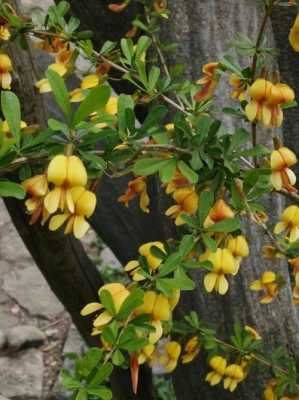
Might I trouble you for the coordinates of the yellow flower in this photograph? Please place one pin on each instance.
(253, 333)
(294, 35)
(119, 293)
(84, 205)
(64, 172)
(239, 87)
(5, 69)
(267, 283)
(159, 308)
(218, 364)
(169, 359)
(37, 188)
(136, 187)
(234, 375)
(4, 33)
(153, 262)
(44, 85)
(282, 176)
(209, 82)
(269, 393)
(111, 106)
(146, 354)
(289, 223)
(223, 263)
(6, 129)
(220, 211)
(88, 82)
(191, 349)
(187, 202)
(238, 246)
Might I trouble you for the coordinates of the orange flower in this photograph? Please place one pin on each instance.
(118, 7)
(269, 284)
(220, 211)
(136, 187)
(187, 202)
(208, 82)
(178, 181)
(37, 188)
(266, 101)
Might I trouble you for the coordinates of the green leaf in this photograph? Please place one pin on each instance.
(167, 172)
(148, 166)
(102, 392)
(143, 44)
(170, 264)
(107, 301)
(127, 47)
(227, 225)
(107, 47)
(68, 381)
(153, 118)
(118, 358)
(82, 395)
(153, 77)
(97, 162)
(186, 245)
(124, 102)
(11, 110)
(11, 189)
(95, 100)
(206, 201)
(209, 243)
(60, 93)
(103, 372)
(134, 344)
(183, 281)
(134, 300)
(87, 363)
(187, 172)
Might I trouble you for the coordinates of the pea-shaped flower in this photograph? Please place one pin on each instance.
(224, 263)
(65, 172)
(5, 70)
(282, 176)
(84, 206)
(289, 223)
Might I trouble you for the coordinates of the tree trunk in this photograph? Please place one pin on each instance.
(203, 31)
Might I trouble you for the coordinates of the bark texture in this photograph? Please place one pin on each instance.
(203, 31)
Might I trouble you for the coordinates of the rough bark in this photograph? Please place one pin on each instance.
(203, 31)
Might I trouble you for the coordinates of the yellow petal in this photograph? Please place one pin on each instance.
(256, 285)
(57, 221)
(251, 110)
(57, 170)
(91, 308)
(52, 200)
(210, 281)
(161, 309)
(90, 81)
(80, 227)
(76, 172)
(86, 204)
(154, 337)
(222, 285)
(103, 319)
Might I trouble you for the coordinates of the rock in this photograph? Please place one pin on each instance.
(2, 341)
(8, 320)
(25, 336)
(21, 376)
(52, 333)
(3, 398)
(29, 288)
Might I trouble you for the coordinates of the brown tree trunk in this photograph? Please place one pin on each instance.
(203, 31)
